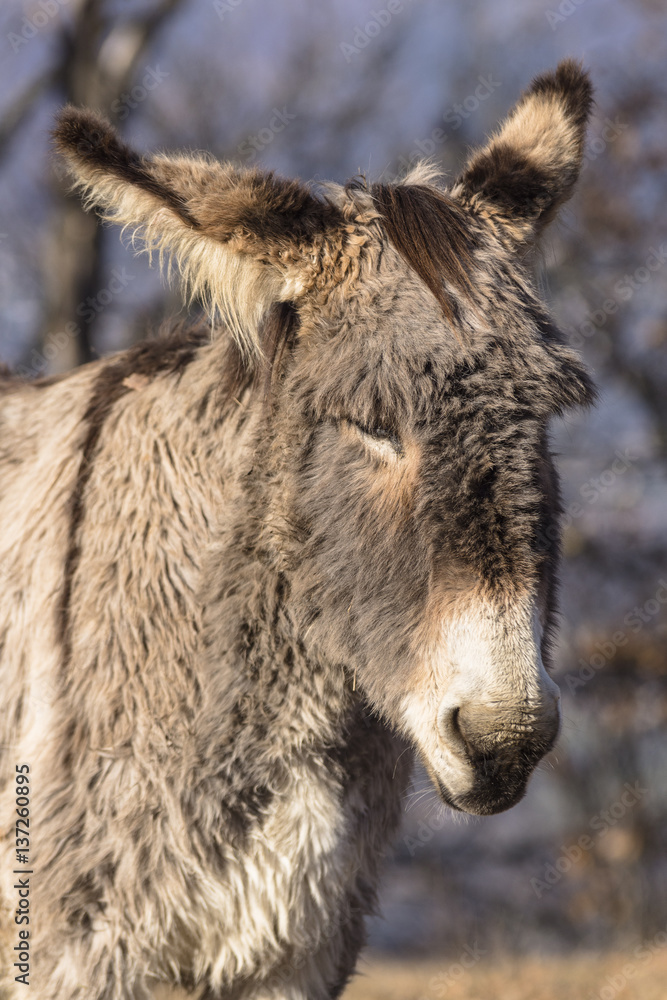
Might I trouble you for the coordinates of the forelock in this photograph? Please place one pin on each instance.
(433, 235)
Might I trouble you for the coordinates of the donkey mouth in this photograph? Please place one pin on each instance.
(489, 776)
(489, 794)
(445, 795)
(487, 801)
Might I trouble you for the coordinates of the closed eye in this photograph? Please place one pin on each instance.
(379, 440)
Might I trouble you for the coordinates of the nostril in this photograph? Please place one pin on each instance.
(482, 732)
(449, 724)
(454, 723)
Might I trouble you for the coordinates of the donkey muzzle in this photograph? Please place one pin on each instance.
(496, 746)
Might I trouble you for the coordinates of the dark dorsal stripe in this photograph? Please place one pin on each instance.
(163, 356)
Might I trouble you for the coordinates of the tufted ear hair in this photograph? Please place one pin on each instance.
(242, 240)
(530, 165)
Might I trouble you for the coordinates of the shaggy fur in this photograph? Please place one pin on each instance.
(246, 568)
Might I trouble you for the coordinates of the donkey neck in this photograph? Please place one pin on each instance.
(263, 687)
(264, 697)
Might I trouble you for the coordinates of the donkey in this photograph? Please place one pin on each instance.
(250, 566)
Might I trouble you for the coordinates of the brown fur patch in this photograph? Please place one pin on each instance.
(388, 482)
(269, 213)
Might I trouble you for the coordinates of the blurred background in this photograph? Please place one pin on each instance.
(325, 91)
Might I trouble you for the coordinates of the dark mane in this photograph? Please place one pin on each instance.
(432, 235)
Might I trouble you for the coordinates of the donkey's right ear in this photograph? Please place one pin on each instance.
(242, 240)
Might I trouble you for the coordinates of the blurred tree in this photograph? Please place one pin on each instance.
(98, 62)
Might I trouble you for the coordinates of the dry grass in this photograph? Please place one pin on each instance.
(612, 977)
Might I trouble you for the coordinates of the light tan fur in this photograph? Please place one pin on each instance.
(246, 567)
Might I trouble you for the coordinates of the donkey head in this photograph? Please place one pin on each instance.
(400, 464)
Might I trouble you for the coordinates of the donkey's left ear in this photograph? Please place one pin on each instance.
(241, 239)
(529, 167)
